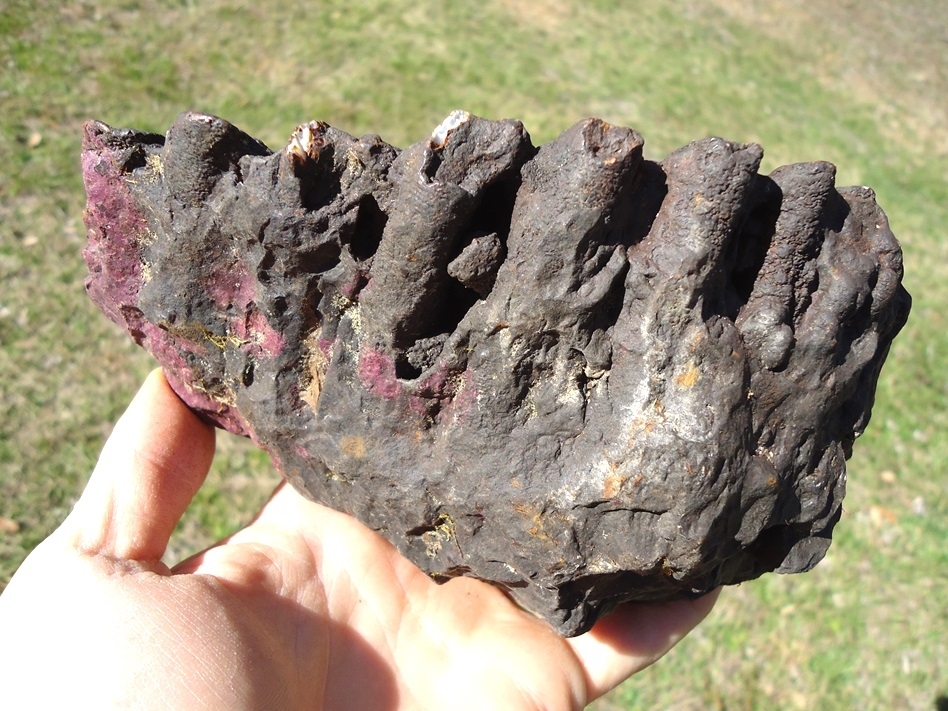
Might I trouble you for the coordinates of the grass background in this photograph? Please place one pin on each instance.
(862, 84)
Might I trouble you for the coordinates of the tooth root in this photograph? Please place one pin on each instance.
(801, 224)
(603, 163)
(682, 259)
(199, 148)
(782, 288)
(435, 200)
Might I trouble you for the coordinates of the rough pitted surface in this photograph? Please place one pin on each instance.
(581, 375)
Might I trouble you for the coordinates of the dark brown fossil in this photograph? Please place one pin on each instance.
(581, 375)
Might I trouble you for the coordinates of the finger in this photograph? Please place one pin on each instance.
(634, 636)
(278, 520)
(340, 546)
(151, 466)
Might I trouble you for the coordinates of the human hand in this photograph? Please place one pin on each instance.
(305, 608)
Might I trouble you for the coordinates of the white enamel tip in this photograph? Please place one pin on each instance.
(440, 135)
(303, 143)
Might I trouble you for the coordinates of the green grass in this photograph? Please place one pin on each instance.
(859, 84)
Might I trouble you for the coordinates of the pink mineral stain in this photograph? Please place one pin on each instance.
(325, 346)
(115, 226)
(168, 352)
(231, 284)
(255, 335)
(465, 397)
(263, 338)
(377, 373)
(352, 287)
(221, 415)
(458, 393)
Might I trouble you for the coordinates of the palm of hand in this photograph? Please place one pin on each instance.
(303, 609)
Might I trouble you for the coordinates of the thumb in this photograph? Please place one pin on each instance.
(633, 636)
(153, 463)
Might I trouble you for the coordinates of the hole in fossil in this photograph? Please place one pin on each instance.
(492, 215)
(637, 213)
(458, 301)
(750, 249)
(369, 226)
(319, 184)
(266, 264)
(495, 208)
(432, 163)
(318, 259)
(420, 356)
(747, 251)
(454, 571)
(133, 159)
(405, 370)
